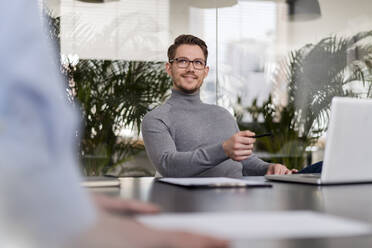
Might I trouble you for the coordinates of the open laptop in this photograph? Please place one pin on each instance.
(348, 151)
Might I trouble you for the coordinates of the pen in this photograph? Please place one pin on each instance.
(262, 135)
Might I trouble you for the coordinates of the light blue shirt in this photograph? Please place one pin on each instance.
(41, 202)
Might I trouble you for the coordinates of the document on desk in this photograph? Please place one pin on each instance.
(260, 225)
(213, 182)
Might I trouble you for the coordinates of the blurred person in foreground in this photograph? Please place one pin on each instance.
(41, 202)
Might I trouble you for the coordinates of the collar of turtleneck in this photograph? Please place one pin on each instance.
(180, 97)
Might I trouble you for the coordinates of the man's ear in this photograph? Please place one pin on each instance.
(168, 68)
(206, 71)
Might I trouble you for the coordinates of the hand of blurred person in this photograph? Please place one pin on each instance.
(121, 206)
(122, 232)
(279, 169)
(239, 146)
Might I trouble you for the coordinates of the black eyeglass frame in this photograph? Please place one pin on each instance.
(188, 63)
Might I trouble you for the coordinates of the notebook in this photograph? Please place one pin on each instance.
(348, 152)
(212, 182)
(100, 181)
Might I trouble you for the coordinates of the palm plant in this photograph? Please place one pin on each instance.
(314, 75)
(114, 95)
(317, 73)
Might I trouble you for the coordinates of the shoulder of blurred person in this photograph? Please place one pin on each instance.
(41, 199)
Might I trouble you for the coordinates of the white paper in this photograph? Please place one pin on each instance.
(260, 225)
(212, 181)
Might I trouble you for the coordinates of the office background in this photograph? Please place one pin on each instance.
(273, 64)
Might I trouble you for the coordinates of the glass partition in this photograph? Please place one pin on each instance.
(275, 65)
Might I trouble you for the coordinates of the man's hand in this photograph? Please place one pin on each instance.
(279, 169)
(180, 239)
(240, 145)
(117, 205)
(111, 231)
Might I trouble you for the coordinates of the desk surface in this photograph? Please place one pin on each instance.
(351, 201)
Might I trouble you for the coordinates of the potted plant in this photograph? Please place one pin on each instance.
(314, 74)
(113, 95)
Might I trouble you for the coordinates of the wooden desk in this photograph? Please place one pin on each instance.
(351, 201)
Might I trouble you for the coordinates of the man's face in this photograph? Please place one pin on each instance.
(189, 79)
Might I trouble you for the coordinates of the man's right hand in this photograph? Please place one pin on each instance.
(121, 206)
(240, 145)
(122, 232)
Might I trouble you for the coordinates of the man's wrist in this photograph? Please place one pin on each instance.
(224, 148)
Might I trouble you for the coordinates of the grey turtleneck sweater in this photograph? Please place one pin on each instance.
(184, 136)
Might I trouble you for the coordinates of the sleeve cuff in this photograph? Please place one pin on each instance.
(216, 153)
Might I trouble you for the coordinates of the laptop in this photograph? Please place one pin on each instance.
(348, 151)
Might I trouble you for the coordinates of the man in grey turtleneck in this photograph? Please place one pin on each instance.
(185, 137)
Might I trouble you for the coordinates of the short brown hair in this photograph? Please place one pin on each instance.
(187, 39)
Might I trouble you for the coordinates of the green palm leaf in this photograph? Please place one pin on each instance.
(314, 75)
(114, 95)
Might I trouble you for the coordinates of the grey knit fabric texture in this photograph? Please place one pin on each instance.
(184, 136)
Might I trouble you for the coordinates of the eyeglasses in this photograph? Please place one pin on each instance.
(184, 63)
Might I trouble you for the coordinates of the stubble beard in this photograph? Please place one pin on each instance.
(188, 91)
